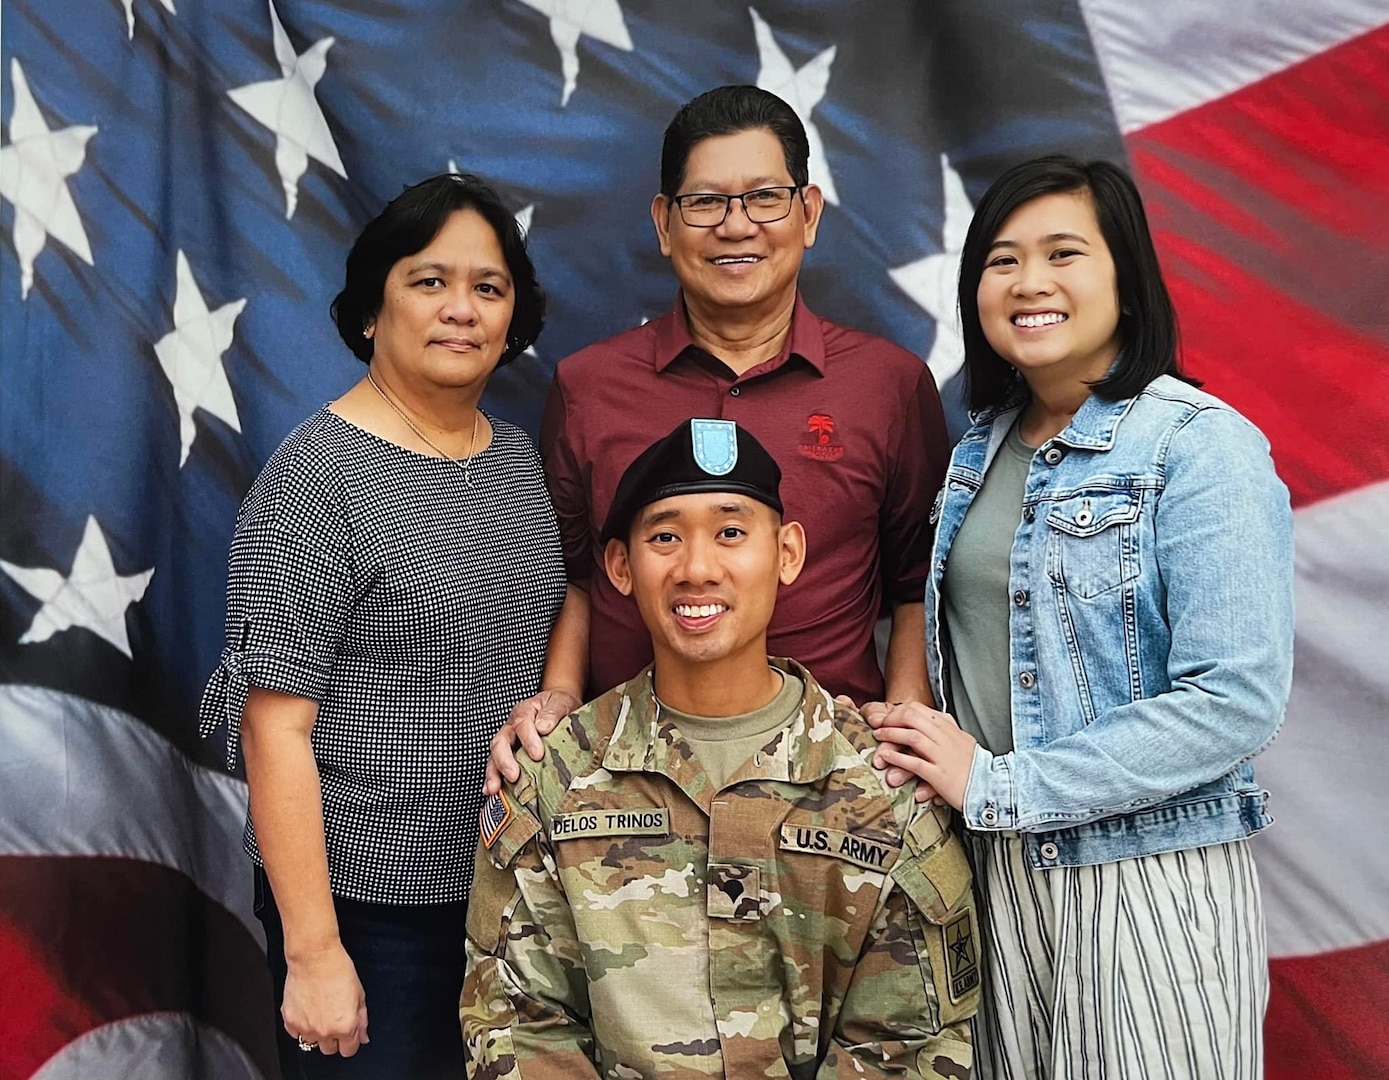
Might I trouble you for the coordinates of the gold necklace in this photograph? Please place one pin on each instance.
(466, 464)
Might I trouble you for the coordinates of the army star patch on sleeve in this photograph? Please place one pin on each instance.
(496, 813)
(961, 960)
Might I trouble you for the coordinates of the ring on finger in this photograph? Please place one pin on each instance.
(305, 1045)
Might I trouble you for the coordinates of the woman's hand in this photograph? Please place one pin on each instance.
(925, 743)
(875, 712)
(324, 1002)
(530, 720)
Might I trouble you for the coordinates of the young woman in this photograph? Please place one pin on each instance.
(1110, 621)
(395, 574)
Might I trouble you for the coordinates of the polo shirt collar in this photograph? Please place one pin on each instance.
(806, 339)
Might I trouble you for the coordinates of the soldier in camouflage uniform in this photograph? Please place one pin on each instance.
(637, 913)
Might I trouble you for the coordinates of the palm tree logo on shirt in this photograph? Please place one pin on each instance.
(818, 441)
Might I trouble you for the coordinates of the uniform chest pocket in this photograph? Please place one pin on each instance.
(1092, 542)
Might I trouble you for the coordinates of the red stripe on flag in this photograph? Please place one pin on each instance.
(37, 1015)
(1271, 212)
(1293, 371)
(99, 939)
(1327, 1018)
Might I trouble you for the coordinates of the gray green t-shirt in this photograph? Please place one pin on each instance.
(974, 592)
(722, 744)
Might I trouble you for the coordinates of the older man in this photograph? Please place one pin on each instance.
(855, 420)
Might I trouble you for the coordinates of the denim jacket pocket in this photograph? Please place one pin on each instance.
(1092, 542)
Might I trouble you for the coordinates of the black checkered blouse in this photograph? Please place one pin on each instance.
(415, 610)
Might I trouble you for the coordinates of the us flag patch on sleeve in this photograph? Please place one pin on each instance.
(496, 813)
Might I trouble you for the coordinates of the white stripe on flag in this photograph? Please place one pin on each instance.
(157, 1046)
(1163, 59)
(77, 778)
(1324, 866)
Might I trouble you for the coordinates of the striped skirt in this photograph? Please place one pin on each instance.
(1154, 967)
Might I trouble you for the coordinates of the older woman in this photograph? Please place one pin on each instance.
(1110, 621)
(394, 576)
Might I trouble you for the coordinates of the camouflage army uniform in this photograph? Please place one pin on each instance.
(628, 920)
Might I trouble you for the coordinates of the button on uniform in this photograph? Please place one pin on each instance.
(735, 391)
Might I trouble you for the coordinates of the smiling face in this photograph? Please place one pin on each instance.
(445, 310)
(1048, 297)
(704, 570)
(740, 263)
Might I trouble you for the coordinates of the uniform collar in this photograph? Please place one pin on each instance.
(806, 339)
(644, 740)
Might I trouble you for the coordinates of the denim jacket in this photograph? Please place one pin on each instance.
(1150, 629)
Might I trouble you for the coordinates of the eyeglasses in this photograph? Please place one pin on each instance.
(708, 209)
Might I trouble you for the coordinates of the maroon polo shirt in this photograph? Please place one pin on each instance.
(853, 420)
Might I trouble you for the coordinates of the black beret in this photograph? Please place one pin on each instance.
(698, 456)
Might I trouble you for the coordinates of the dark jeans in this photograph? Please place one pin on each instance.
(410, 960)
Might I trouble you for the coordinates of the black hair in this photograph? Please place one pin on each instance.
(1147, 321)
(407, 225)
(728, 110)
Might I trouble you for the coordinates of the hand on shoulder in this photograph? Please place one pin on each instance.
(925, 743)
(530, 721)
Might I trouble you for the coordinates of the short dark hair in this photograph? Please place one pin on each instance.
(728, 110)
(1147, 321)
(407, 225)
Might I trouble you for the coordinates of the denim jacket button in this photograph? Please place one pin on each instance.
(1020, 597)
(989, 816)
(1027, 680)
(1053, 455)
(1029, 514)
(1049, 851)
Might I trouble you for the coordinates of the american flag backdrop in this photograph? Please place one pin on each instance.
(180, 181)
